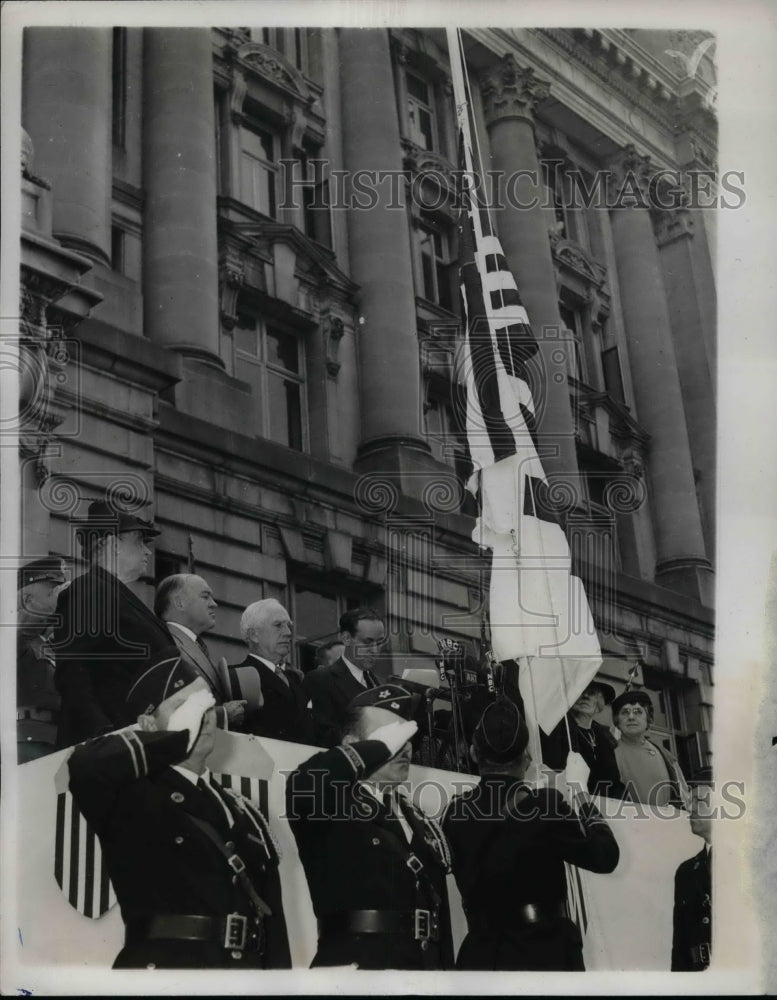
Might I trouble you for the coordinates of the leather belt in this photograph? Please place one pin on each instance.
(36, 714)
(234, 932)
(422, 925)
(520, 916)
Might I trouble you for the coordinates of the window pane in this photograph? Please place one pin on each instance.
(246, 339)
(428, 272)
(444, 297)
(425, 125)
(282, 350)
(315, 614)
(285, 412)
(417, 88)
(257, 187)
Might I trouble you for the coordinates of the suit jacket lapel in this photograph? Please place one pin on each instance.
(196, 654)
(346, 682)
(270, 682)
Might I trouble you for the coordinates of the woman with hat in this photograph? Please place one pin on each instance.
(593, 741)
(649, 773)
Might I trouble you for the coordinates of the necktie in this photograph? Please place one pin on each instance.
(280, 672)
(370, 679)
(204, 648)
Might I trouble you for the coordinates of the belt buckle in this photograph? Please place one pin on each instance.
(236, 863)
(236, 931)
(704, 953)
(414, 864)
(423, 925)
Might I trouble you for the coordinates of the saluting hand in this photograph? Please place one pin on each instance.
(395, 735)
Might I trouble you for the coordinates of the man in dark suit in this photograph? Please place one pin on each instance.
(277, 704)
(509, 843)
(332, 688)
(692, 919)
(194, 866)
(106, 635)
(186, 604)
(375, 864)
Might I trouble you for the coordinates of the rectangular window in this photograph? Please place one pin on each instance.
(436, 273)
(572, 321)
(316, 202)
(420, 108)
(259, 170)
(613, 377)
(117, 249)
(119, 87)
(271, 360)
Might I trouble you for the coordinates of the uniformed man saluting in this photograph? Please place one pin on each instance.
(194, 867)
(375, 865)
(509, 843)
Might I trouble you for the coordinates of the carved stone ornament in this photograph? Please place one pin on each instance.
(334, 330)
(510, 91)
(628, 179)
(274, 68)
(231, 280)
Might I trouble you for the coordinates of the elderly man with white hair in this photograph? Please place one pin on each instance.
(277, 704)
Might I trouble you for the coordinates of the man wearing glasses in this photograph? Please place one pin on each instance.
(332, 688)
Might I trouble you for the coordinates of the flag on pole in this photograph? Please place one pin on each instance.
(538, 609)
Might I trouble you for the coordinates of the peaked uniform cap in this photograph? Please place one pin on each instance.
(392, 697)
(501, 735)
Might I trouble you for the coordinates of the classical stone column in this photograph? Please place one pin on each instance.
(379, 241)
(689, 289)
(510, 95)
(66, 108)
(180, 252)
(682, 562)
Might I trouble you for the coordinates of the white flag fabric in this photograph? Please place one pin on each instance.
(539, 613)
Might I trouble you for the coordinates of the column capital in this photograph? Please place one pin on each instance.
(511, 91)
(673, 225)
(629, 177)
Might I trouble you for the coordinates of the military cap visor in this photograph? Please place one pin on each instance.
(105, 518)
(49, 569)
(391, 697)
(637, 697)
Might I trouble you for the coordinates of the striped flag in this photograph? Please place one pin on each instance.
(79, 870)
(78, 860)
(539, 613)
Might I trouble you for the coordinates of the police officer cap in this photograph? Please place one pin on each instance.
(635, 697)
(392, 697)
(160, 681)
(106, 518)
(501, 735)
(50, 568)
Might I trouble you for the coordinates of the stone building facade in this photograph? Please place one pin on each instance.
(222, 316)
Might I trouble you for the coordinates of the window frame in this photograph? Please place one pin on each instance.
(267, 369)
(271, 167)
(430, 108)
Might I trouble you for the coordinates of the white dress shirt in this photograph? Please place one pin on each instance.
(358, 674)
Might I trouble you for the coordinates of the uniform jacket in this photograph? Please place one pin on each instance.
(692, 918)
(509, 844)
(285, 714)
(35, 687)
(158, 860)
(331, 689)
(105, 638)
(196, 657)
(354, 859)
(604, 777)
